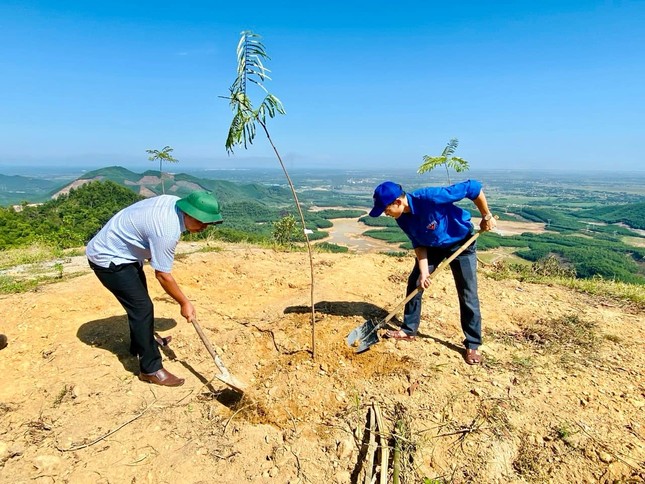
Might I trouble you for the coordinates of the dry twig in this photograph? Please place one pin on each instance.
(103, 437)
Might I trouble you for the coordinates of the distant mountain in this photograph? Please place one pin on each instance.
(16, 189)
(148, 184)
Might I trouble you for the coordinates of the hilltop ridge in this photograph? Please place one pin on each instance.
(148, 184)
(559, 397)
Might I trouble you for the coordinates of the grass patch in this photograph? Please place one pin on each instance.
(566, 333)
(15, 285)
(396, 253)
(210, 248)
(522, 364)
(11, 285)
(613, 338)
(548, 273)
(494, 412)
(567, 337)
(329, 247)
(530, 461)
(32, 255)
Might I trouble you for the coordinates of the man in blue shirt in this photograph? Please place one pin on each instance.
(148, 230)
(437, 227)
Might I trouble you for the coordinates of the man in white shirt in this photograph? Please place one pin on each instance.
(149, 229)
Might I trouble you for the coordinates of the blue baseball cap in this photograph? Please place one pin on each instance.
(385, 194)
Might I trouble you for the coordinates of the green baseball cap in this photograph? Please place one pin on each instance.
(202, 206)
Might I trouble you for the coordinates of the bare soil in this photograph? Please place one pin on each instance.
(559, 398)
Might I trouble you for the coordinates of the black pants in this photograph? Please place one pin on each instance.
(128, 284)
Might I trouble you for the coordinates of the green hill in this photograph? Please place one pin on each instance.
(149, 184)
(16, 189)
(632, 214)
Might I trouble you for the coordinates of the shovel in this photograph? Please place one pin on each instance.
(366, 333)
(224, 376)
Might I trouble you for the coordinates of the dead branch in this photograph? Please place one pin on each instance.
(103, 437)
(608, 448)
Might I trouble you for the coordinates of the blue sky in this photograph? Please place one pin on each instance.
(521, 84)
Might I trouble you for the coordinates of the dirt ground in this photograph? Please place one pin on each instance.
(559, 398)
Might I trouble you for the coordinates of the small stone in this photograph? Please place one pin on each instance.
(343, 476)
(273, 471)
(345, 448)
(4, 451)
(637, 402)
(605, 457)
(47, 464)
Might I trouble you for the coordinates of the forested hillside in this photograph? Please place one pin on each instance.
(591, 239)
(67, 221)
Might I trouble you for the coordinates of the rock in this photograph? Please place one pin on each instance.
(345, 448)
(3, 341)
(605, 457)
(47, 464)
(4, 451)
(342, 477)
(637, 402)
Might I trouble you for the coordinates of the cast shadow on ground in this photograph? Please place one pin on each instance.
(113, 334)
(342, 308)
(451, 346)
(367, 311)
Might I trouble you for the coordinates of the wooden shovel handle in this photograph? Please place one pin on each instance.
(209, 347)
(441, 266)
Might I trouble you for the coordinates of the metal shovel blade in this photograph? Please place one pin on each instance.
(224, 376)
(369, 340)
(366, 335)
(361, 332)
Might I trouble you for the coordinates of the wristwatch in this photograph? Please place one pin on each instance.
(488, 216)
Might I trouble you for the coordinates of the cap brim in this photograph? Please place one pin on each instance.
(377, 211)
(197, 214)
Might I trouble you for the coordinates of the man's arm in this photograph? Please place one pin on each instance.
(422, 258)
(482, 205)
(172, 289)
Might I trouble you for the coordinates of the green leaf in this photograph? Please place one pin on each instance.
(251, 55)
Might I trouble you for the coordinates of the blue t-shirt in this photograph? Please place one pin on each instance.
(149, 229)
(434, 220)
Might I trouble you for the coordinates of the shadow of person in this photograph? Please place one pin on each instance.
(342, 308)
(113, 334)
(451, 346)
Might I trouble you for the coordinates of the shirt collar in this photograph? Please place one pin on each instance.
(180, 215)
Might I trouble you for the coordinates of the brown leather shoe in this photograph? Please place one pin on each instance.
(162, 377)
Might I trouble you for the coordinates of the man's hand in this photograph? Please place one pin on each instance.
(489, 222)
(424, 280)
(188, 311)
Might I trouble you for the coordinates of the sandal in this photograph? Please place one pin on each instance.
(161, 341)
(473, 356)
(398, 334)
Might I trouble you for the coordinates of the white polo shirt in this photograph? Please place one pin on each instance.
(149, 229)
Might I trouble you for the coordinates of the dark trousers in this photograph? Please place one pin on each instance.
(464, 271)
(128, 284)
